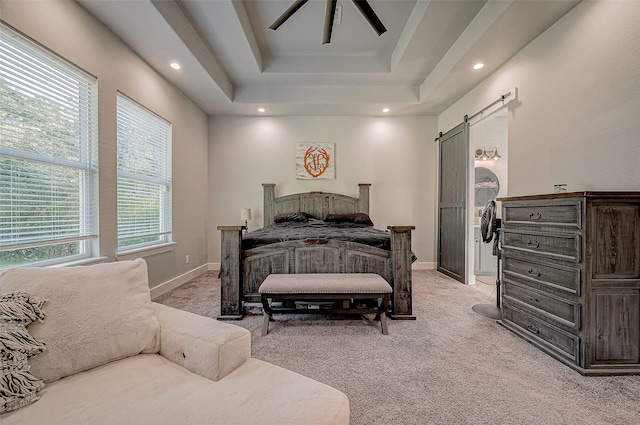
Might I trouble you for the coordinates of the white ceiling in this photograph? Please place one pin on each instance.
(232, 64)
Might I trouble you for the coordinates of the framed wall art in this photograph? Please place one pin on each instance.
(315, 161)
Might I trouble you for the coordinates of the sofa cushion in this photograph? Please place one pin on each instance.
(200, 344)
(18, 386)
(149, 389)
(95, 314)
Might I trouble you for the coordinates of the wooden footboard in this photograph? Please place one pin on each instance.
(241, 273)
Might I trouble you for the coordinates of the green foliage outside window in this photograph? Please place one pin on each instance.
(41, 126)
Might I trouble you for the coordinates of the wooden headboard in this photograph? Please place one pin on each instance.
(318, 204)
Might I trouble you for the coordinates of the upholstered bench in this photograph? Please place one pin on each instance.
(326, 293)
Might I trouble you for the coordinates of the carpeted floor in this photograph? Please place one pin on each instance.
(450, 366)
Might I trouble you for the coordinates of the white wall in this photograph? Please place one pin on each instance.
(576, 117)
(575, 122)
(396, 155)
(71, 32)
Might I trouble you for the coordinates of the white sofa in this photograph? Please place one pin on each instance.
(114, 357)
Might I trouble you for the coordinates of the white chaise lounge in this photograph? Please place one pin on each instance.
(114, 357)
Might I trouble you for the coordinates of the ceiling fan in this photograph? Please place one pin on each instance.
(362, 5)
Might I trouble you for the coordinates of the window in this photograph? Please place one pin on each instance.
(48, 151)
(144, 177)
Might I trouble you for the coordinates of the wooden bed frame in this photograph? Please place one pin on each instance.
(242, 272)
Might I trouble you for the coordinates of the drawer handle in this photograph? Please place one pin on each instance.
(535, 216)
(534, 299)
(533, 329)
(533, 273)
(533, 244)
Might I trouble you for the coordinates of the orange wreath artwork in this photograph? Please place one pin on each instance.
(316, 161)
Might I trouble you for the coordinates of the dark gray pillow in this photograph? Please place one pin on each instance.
(298, 216)
(357, 218)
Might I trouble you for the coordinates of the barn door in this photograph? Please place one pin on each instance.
(452, 202)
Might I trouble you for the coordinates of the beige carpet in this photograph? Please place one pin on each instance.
(450, 366)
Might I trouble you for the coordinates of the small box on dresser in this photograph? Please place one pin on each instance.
(571, 277)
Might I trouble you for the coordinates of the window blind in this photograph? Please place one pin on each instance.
(48, 152)
(144, 176)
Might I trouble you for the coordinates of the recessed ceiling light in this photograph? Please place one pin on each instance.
(260, 109)
(175, 65)
(385, 110)
(478, 66)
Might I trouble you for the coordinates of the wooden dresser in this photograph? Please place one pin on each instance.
(571, 277)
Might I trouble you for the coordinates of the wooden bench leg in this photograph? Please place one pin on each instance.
(382, 313)
(267, 314)
(383, 322)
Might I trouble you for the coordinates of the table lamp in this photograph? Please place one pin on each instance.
(245, 214)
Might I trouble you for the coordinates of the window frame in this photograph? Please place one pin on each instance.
(33, 73)
(162, 179)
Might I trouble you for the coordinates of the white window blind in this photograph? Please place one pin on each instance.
(144, 176)
(48, 155)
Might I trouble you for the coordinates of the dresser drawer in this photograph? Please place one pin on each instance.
(565, 312)
(547, 335)
(558, 279)
(565, 247)
(568, 214)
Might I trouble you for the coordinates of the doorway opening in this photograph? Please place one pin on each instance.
(488, 180)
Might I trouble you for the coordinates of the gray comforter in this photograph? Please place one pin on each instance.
(288, 231)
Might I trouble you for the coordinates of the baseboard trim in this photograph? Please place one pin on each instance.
(167, 286)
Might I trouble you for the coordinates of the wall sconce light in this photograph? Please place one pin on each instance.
(245, 214)
(484, 155)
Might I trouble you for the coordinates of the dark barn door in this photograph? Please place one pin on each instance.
(452, 202)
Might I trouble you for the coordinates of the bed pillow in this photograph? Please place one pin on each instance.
(18, 386)
(298, 216)
(357, 218)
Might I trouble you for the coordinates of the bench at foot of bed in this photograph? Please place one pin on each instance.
(326, 293)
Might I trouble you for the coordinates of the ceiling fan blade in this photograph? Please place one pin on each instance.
(370, 15)
(329, 14)
(287, 14)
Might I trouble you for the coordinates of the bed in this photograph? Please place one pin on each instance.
(313, 232)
